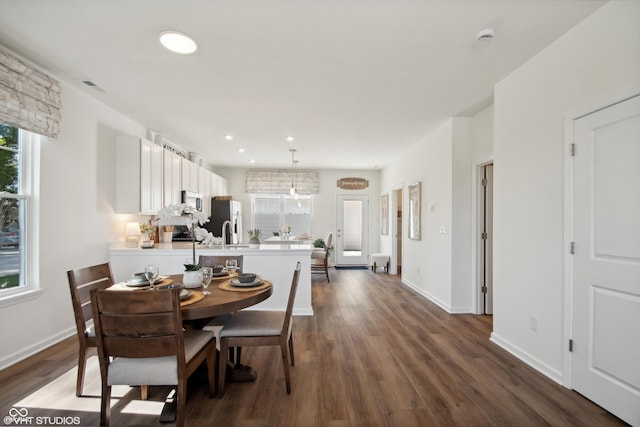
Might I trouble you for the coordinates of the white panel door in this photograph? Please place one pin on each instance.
(352, 232)
(606, 264)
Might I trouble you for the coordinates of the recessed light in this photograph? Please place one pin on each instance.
(252, 161)
(228, 137)
(290, 138)
(178, 42)
(240, 150)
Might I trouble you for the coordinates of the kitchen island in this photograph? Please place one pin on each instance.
(275, 263)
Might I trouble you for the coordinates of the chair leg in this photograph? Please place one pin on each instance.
(222, 366)
(291, 350)
(285, 365)
(144, 392)
(326, 270)
(212, 370)
(82, 361)
(105, 405)
(182, 400)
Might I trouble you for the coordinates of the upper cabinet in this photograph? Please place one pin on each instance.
(190, 172)
(172, 178)
(139, 176)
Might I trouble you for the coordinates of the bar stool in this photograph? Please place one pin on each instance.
(381, 260)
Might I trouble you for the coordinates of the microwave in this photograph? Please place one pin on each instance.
(191, 199)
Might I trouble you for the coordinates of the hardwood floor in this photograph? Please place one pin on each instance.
(374, 354)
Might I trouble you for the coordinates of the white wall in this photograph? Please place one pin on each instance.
(596, 60)
(77, 190)
(426, 263)
(324, 203)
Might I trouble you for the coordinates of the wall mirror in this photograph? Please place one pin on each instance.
(415, 191)
(384, 215)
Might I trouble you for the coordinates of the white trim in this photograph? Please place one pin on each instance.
(446, 307)
(567, 318)
(527, 358)
(34, 348)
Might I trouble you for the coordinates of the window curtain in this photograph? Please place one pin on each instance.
(279, 182)
(29, 99)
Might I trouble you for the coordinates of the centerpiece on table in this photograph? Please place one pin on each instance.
(254, 237)
(192, 219)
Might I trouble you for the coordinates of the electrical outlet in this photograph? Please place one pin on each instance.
(533, 323)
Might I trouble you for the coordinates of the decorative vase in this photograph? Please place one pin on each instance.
(254, 242)
(167, 236)
(190, 277)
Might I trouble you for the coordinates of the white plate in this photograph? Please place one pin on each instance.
(191, 285)
(138, 283)
(236, 283)
(184, 294)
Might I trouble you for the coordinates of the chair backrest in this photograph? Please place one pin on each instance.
(327, 239)
(292, 296)
(211, 260)
(81, 282)
(138, 324)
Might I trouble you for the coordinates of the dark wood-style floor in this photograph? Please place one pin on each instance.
(374, 354)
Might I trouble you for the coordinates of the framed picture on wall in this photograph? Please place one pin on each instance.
(384, 214)
(415, 191)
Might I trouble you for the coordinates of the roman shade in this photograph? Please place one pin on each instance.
(279, 182)
(29, 98)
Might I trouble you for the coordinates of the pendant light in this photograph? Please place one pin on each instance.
(292, 190)
(295, 181)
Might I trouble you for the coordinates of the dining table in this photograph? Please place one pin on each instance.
(198, 309)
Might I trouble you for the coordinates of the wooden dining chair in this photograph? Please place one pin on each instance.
(81, 282)
(320, 257)
(260, 328)
(140, 341)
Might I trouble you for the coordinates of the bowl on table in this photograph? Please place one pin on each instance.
(217, 269)
(246, 277)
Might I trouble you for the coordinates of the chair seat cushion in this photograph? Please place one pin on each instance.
(143, 370)
(156, 370)
(318, 254)
(250, 323)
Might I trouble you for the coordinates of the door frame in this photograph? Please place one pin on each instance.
(366, 250)
(395, 233)
(569, 119)
(476, 238)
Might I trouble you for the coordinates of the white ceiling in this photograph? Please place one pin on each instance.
(354, 81)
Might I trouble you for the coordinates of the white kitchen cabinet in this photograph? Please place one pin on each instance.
(139, 175)
(172, 163)
(223, 187)
(190, 176)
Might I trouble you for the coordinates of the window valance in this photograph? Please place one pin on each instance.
(279, 182)
(29, 99)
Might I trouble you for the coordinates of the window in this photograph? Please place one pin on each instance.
(269, 212)
(15, 193)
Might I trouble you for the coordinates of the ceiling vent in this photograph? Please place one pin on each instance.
(485, 36)
(93, 85)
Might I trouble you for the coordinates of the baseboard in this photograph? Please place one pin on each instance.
(525, 357)
(24, 353)
(446, 307)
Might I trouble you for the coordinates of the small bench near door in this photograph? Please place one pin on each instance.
(381, 260)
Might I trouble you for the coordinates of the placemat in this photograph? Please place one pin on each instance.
(227, 277)
(193, 298)
(122, 286)
(226, 286)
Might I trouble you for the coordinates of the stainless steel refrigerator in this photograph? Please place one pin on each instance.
(226, 210)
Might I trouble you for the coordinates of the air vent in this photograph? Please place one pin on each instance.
(93, 85)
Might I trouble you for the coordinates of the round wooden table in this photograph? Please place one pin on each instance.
(220, 302)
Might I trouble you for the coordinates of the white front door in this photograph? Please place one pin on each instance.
(352, 231)
(606, 263)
